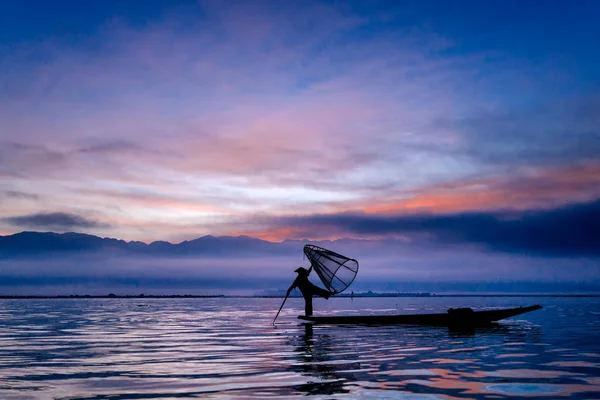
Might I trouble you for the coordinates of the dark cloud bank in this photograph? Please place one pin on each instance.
(56, 220)
(568, 231)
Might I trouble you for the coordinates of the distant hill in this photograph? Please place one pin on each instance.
(44, 242)
(26, 244)
(35, 243)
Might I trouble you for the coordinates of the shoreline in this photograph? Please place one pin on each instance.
(33, 297)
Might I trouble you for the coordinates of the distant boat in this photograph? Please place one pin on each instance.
(459, 317)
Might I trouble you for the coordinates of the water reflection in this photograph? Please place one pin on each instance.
(430, 361)
(228, 349)
(315, 360)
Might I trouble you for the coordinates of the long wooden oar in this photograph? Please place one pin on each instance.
(286, 297)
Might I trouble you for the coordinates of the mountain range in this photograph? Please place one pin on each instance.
(40, 243)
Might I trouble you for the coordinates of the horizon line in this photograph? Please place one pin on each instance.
(274, 296)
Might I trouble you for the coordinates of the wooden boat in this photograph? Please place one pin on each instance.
(463, 317)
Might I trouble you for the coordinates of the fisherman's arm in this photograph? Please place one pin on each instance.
(292, 287)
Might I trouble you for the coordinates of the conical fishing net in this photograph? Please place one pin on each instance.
(335, 270)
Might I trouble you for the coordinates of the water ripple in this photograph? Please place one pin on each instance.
(123, 349)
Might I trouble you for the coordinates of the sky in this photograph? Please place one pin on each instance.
(466, 122)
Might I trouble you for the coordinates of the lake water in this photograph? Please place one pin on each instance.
(227, 348)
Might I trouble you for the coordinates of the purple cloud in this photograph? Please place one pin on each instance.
(56, 220)
(15, 194)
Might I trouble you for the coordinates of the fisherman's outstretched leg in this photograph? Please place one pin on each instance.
(321, 292)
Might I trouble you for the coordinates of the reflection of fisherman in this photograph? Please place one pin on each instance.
(307, 288)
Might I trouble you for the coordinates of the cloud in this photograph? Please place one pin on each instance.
(57, 220)
(115, 146)
(572, 230)
(15, 194)
(541, 187)
(556, 132)
(21, 159)
(99, 158)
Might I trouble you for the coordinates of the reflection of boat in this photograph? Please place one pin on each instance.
(454, 317)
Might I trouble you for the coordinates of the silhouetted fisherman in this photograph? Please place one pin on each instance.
(307, 288)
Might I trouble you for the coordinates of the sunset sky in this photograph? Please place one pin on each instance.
(461, 139)
(147, 120)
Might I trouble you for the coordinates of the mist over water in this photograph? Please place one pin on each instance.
(227, 348)
(248, 266)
